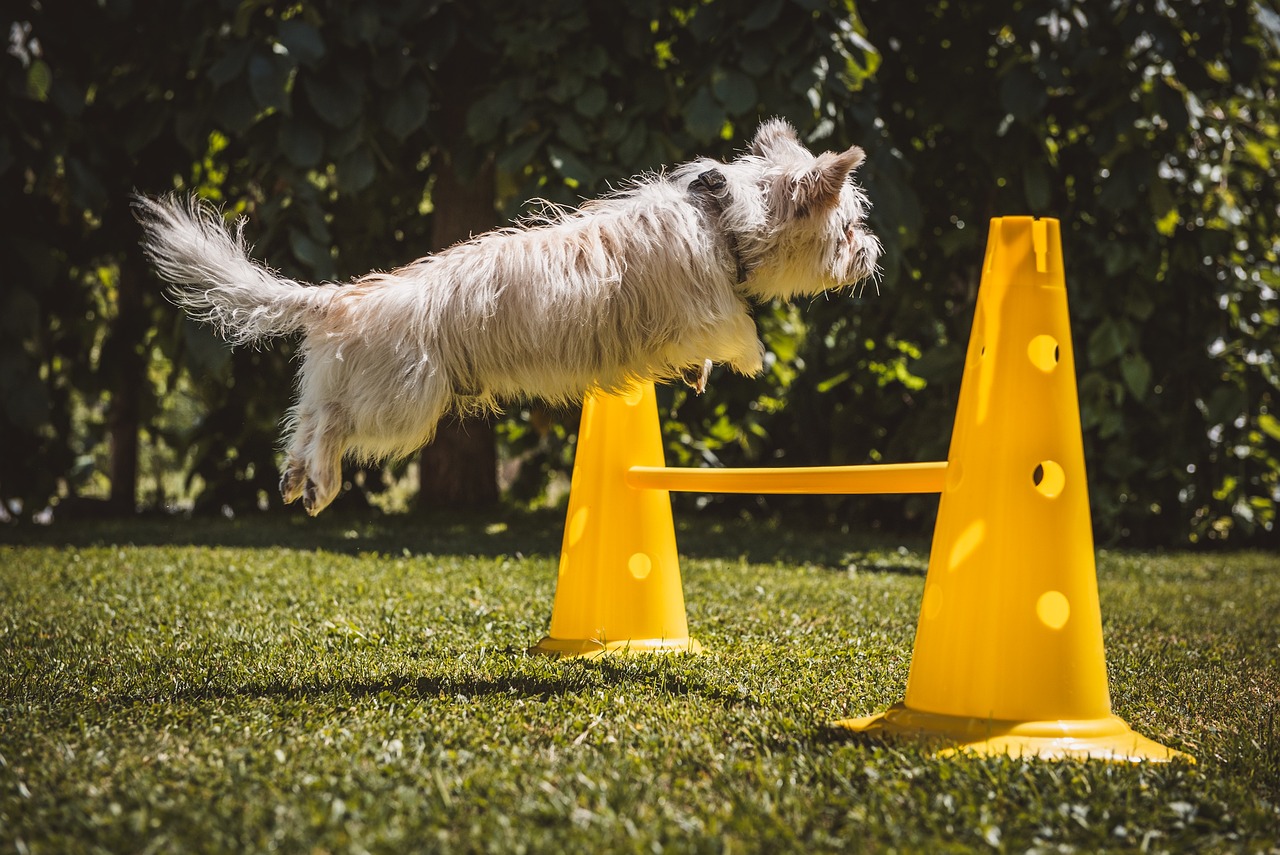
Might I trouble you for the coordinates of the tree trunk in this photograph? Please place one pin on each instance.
(459, 468)
(126, 367)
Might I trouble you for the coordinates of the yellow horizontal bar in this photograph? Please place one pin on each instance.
(873, 478)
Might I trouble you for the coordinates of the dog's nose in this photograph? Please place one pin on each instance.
(712, 179)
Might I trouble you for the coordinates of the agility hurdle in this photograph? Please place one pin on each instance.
(1008, 655)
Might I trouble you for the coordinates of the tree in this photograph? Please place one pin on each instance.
(81, 320)
(303, 115)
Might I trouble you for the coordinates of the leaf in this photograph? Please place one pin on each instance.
(1136, 372)
(487, 114)
(339, 101)
(269, 79)
(39, 80)
(736, 92)
(439, 38)
(302, 40)
(206, 353)
(313, 255)
(571, 132)
(301, 142)
(389, 69)
(1270, 425)
(345, 141)
(1139, 305)
(631, 146)
(707, 22)
(832, 382)
(762, 15)
(1225, 404)
(363, 26)
(592, 101)
(357, 171)
(229, 65)
(703, 115)
(757, 56)
(407, 110)
(593, 61)
(516, 157)
(569, 164)
(1107, 342)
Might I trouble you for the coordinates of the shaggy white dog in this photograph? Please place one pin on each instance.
(651, 282)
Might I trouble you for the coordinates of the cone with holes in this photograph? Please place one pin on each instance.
(1008, 653)
(619, 587)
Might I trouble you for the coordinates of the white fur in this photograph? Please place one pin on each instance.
(641, 284)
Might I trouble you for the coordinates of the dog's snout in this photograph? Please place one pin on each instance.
(712, 179)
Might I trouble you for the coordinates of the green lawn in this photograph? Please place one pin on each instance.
(300, 686)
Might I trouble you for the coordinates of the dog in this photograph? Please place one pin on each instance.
(653, 281)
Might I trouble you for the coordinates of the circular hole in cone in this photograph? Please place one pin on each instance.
(1049, 478)
(1044, 352)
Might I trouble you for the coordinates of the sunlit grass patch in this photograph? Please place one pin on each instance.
(254, 692)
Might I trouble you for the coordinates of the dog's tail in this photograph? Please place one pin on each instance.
(213, 277)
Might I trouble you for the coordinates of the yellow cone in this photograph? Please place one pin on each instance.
(1008, 652)
(619, 587)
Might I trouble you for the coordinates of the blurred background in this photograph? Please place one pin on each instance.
(362, 136)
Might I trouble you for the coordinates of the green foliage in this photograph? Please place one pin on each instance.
(232, 687)
(1151, 131)
(1148, 128)
(76, 324)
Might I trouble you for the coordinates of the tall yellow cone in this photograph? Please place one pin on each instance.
(1008, 653)
(619, 585)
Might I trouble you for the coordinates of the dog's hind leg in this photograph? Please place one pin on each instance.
(293, 478)
(329, 436)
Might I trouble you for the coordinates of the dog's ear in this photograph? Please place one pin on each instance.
(819, 188)
(776, 140)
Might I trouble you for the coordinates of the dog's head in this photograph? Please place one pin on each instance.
(800, 219)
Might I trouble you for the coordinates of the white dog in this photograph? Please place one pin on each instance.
(651, 282)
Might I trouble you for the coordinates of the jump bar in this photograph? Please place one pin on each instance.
(845, 480)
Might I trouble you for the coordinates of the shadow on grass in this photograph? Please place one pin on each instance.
(576, 677)
(502, 533)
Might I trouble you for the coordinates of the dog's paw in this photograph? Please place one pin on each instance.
(311, 499)
(316, 498)
(292, 483)
(695, 376)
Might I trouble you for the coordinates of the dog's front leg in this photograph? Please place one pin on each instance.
(746, 350)
(696, 376)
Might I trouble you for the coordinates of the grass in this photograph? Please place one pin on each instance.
(172, 686)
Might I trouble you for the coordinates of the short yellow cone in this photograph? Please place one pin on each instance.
(619, 586)
(1008, 653)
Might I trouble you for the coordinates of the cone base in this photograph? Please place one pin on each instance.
(1106, 738)
(571, 648)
